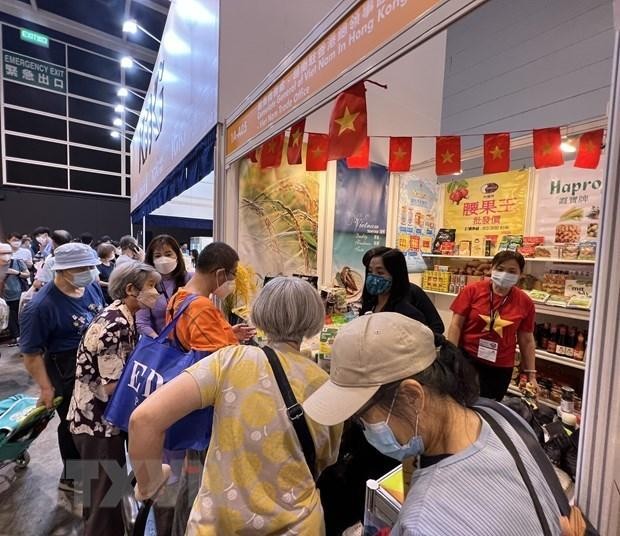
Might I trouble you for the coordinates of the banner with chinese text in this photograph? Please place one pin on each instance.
(33, 72)
(360, 217)
(493, 205)
(568, 203)
(417, 210)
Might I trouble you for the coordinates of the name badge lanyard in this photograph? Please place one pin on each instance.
(494, 313)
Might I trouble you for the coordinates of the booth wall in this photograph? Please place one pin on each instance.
(255, 36)
(532, 64)
(22, 210)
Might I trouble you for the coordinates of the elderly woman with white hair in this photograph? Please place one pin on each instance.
(101, 357)
(256, 478)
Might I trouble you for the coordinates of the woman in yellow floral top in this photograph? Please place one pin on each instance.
(256, 479)
(101, 357)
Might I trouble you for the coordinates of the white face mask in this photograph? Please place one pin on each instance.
(83, 279)
(225, 289)
(165, 265)
(147, 298)
(504, 279)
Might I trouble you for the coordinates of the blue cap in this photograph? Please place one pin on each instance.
(74, 255)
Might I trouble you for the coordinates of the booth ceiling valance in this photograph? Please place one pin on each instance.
(191, 170)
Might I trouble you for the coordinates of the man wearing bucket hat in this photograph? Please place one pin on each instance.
(52, 325)
(414, 400)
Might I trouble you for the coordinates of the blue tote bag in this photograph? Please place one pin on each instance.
(153, 363)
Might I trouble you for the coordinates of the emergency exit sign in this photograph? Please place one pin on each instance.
(34, 38)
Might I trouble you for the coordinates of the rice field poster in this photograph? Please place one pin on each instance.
(360, 220)
(568, 203)
(278, 218)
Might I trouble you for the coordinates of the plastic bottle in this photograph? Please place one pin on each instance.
(553, 339)
(580, 347)
(561, 348)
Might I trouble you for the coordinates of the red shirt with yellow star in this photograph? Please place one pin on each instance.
(516, 313)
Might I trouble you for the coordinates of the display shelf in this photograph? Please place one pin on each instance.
(567, 361)
(564, 312)
(513, 390)
(527, 259)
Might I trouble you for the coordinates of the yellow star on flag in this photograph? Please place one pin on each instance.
(317, 151)
(447, 157)
(497, 153)
(296, 137)
(589, 147)
(546, 149)
(347, 121)
(399, 154)
(498, 325)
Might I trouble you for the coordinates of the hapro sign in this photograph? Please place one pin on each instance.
(180, 107)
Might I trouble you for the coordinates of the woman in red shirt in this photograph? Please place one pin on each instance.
(490, 318)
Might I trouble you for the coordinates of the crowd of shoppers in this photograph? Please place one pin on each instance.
(398, 388)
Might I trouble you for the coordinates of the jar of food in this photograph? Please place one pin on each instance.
(567, 403)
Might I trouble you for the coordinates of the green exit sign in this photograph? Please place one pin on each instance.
(34, 37)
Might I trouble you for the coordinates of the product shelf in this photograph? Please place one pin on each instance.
(513, 390)
(527, 259)
(550, 310)
(567, 361)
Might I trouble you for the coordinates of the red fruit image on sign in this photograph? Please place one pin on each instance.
(458, 190)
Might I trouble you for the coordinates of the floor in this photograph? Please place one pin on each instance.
(30, 502)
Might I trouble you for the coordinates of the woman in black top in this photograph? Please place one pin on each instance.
(388, 289)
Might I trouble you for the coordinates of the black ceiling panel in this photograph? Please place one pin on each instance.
(104, 15)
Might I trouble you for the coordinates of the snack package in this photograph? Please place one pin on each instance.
(538, 296)
(570, 252)
(558, 301)
(477, 248)
(465, 248)
(426, 244)
(580, 302)
(510, 243)
(587, 250)
(567, 233)
(443, 235)
(528, 249)
(547, 252)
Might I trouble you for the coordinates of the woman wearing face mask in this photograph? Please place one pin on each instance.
(101, 357)
(52, 325)
(388, 289)
(416, 401)
(165, 255)
(106, 255)
(490, 318)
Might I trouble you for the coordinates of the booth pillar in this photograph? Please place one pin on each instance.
(598, 478)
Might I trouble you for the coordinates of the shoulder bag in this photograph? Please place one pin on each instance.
(294, 410)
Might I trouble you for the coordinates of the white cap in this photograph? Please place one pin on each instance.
(369, 352)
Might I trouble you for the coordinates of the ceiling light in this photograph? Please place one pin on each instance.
(126, 62)
(130, 26)
(568, 147)
(115, 134)
(122, 92)
(118, 122)
(119, 108)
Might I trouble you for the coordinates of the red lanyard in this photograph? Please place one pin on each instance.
(494, 313)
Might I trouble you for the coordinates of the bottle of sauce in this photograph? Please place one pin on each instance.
(571, 341)
(553, 339)
(580, 347)
(544, 336)
(560, 348)
(567, 403)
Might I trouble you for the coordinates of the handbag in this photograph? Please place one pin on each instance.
(541, 460)
(294, 411)
(153, 363)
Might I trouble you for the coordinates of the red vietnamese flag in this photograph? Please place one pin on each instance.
(447, 155)
(295, 142)
(361, 158)
(347, 124)
(252, 155)
(590, 148)
(547, 152)
(400, 154)
(496, 153)
(316, 152)
(271, 152)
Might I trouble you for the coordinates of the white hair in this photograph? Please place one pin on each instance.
(288, 309)
(135, 273)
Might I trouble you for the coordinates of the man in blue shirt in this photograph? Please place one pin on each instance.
(52, 325)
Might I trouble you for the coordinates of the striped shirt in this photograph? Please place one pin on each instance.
(478, 491)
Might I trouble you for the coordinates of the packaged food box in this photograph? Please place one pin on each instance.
(580, 302)
(569, 252)
(533, 240)
(528, 251)
(477, 248)
(554, 283)
(436, 281)
(538, 296)
(426, 244)
(558, 300)
(510, 243)
(443, 235)
(465, 248)
(587, 250)
(447, 248)
(547, 252)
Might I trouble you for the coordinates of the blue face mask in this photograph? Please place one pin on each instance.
(380, 436)
(377, 284)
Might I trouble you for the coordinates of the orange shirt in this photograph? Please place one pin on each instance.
(202, 326)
